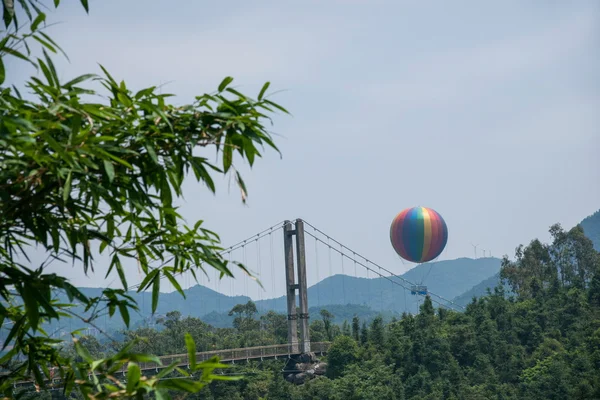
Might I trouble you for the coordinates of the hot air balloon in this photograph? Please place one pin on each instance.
(418, 234)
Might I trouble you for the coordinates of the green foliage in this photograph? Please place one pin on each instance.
(79, 173)
(591, 229)
(244, 316)
(364, 334)
(369, 381)
(540, 269)
(343, 352)
(327, 317)
(355, 328)
(377, 335)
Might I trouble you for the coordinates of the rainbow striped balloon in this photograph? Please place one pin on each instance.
(419, 234)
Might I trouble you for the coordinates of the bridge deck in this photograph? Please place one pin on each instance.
(229, 355)
(232, 355)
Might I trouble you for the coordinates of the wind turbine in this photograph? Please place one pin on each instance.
(475, 248)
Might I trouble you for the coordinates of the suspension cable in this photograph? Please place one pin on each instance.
(384, 269)
(375, 272)
(236, 246)
(272, 264)
(218, 287)
(381, 291)
(318, 278)
(329, 239)
(259, 271)
(245, 263)
(369, 287)
(231, 280)
(405, 305)
(343, 276)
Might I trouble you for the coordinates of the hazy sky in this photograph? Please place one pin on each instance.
(483, 111)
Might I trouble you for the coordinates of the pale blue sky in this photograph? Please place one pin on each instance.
(483, 111)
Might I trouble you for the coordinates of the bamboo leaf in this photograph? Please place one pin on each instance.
(67, 187)
(191, 348)
(242, 186)
(79, 79)
(174, 282)
(133, 376)
(83, 352)
(227, 154)
(110, 170)
(148, 280)
(2, 71)
(31, 305)
(155, 292)
(263, 90)
(41, 17)
(124, 314)
(225, 82)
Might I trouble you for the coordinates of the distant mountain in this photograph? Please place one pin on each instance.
(591, 228)
(479, 290)
(444, 278)
(200, 301)
(377, 295)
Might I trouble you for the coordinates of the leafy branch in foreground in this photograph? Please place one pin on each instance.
(78, 175)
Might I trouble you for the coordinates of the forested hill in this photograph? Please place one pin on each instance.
(479, 290)
(591, 228)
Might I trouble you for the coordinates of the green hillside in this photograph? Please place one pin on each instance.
(479, 290)
(591, 228)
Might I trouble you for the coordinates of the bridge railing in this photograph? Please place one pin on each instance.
(248, 353)
(229, 355)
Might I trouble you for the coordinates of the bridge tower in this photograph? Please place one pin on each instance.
(302, 345)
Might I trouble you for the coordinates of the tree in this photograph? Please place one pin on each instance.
(343, 352)
(364, 334)
(244, 316)
(377, 335)
(327, 317)
(78, 175)
(346, 328)
(355, 328)
(373, 380)
(317, 331)
(276, 324)
(171, 320)
(569, 261)
(594, 292)
(278, 389)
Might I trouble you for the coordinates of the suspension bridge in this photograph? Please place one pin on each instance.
(292, 264)
(322, 256)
